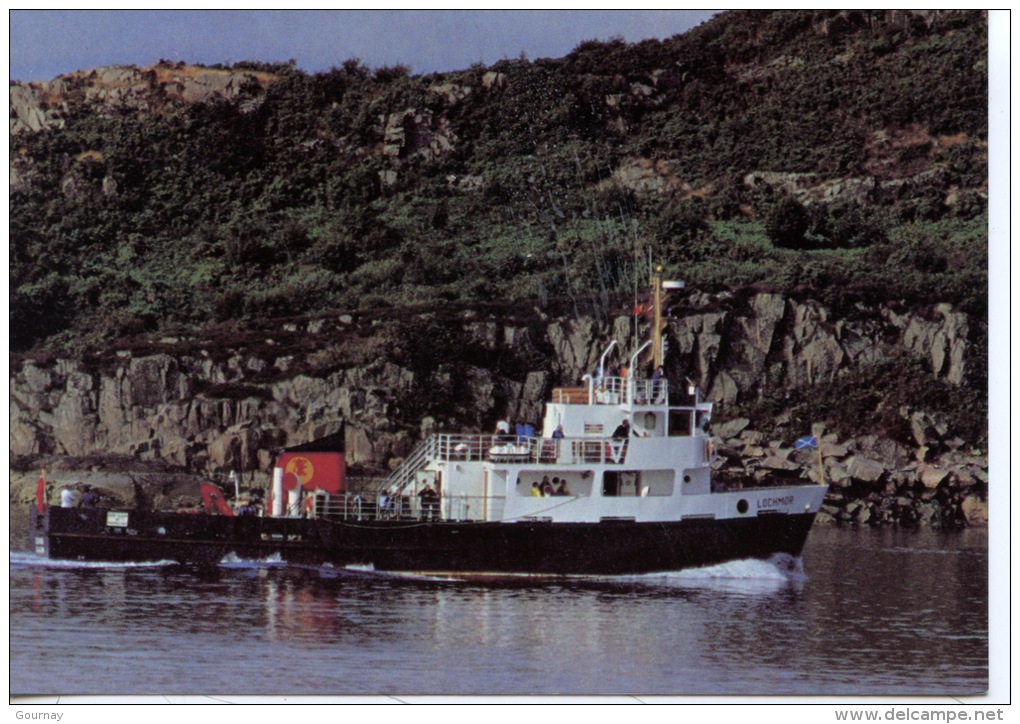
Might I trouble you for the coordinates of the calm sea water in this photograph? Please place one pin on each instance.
(867, 612)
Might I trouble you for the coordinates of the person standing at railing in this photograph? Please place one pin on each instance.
(385, 505)
(429, 499)
(623, 431)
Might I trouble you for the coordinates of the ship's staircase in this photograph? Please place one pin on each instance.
(522, 447)
(404, 476)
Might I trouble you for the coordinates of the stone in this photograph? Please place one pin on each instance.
(833, 450)
(975, 511)
(865, 469)
(730, 428)
(932, 476)
(492, 79)
(776, 462)
(751, 437)
(836, 474)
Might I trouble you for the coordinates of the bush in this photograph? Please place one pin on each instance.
(787, 224)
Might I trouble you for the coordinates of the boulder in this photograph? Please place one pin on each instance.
(778, 462)
(730, 428)
(975, 511)
(865, 469)
(931, 476)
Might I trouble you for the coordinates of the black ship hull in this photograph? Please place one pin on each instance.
(614, 547)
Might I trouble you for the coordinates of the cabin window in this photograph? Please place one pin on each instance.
(679, 423)
(647, 425)
(637, 483)
(569, 483)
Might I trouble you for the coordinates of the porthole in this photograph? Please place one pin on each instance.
(742, 506)
(687, 478)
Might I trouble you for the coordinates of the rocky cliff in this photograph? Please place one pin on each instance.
(128, 89)
(219, 404)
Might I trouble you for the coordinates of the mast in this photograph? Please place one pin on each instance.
(658, 353)
(659, 288)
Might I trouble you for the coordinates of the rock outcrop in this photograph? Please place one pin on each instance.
(872, 481)
(212, 410)
(117, 89)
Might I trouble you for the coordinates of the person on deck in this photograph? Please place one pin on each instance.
(429, 503)
(623, 431)
(90, 499)
(66, 497)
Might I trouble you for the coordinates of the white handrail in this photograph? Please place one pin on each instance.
(591, 387)
(633, 366)
(602, 359)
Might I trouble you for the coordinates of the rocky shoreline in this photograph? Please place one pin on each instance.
(939, 483)
(145, 422)
(944, 489)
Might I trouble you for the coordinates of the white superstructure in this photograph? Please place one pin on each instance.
(659, 469)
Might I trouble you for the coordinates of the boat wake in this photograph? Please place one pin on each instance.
(22, 560)
(746, 576)
(233, 561)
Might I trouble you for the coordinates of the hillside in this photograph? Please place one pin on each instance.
(174, 196)
(827, 161)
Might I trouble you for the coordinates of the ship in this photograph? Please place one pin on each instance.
(618, 480)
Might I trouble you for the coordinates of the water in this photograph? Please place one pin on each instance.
(868, 612)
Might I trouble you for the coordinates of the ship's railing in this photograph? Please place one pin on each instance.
(614, 391)
(524, 449)
(571, 395)
(348, 507)
(404, 476)
(521, 449)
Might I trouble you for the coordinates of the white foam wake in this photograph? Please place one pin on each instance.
(747, 576)
(31, 560)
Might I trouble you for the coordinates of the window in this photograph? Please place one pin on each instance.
(637, 483)
(679, 423)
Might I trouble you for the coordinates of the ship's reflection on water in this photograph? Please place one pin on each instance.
(861, 614)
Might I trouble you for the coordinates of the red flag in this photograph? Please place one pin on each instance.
(645, 307)
(212, 497)
(314, 471)
(40, 493)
